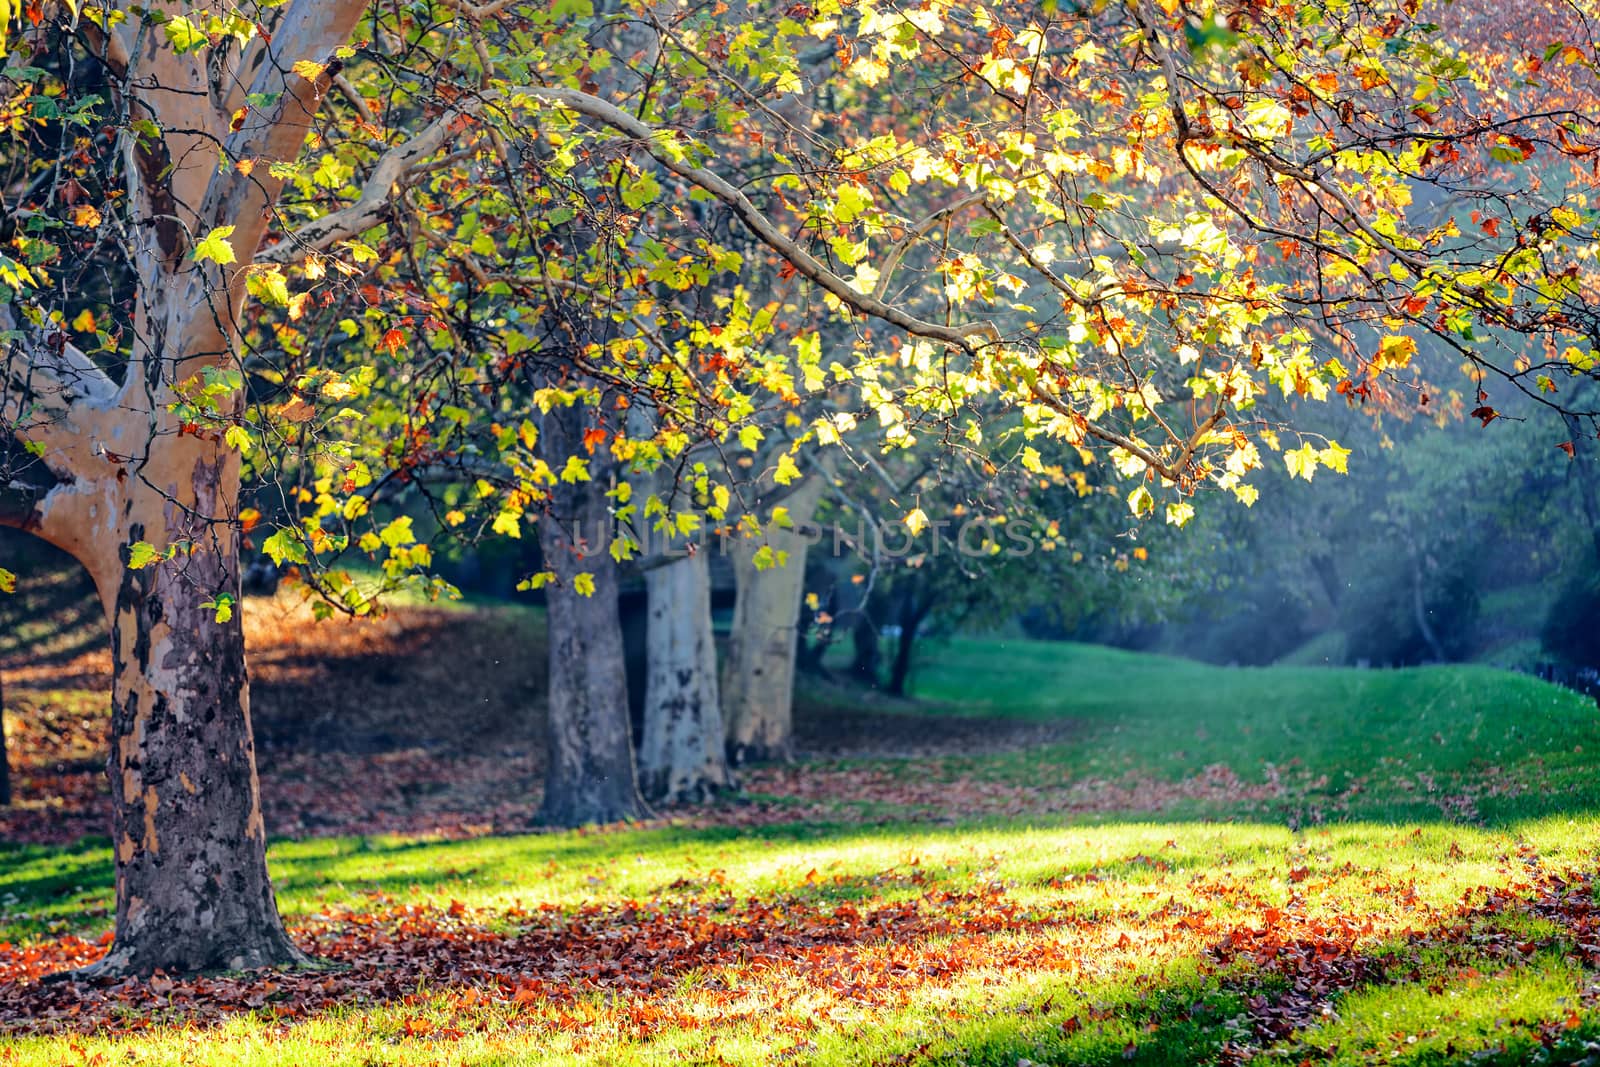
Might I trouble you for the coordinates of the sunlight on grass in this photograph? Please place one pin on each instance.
(1117, 920)
(1381, 807)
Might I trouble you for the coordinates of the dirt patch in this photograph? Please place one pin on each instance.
(431, 721)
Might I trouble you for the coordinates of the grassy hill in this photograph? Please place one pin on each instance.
(1058, 854)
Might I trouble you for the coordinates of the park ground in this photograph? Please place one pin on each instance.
(1054, 854)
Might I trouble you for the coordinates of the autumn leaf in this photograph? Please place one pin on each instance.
(214, 246)
(1302, 462)
(1394, 353)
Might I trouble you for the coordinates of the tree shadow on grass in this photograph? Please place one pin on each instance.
(1508, 980)
(550, 956)
(1270, 981)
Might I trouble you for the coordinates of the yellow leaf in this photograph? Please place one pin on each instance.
(1302, 461)
(1335, 457)
(1394, 352)
(215, 247)
(576, 470)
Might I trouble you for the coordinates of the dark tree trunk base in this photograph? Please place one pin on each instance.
(743, 755)
(127, 963)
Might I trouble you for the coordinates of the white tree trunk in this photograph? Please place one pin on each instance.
(758, 675)
(681, 757)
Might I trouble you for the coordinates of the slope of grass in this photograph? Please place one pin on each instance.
(1331, 905)
(1380, 742)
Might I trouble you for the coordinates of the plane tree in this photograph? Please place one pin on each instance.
(488, 208)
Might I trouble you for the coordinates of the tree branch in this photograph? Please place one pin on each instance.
(53, 395)
(310, 30)
(369, 208)
(392, 167)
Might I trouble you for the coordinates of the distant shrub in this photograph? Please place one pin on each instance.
(1572, 626)
(1380, 615)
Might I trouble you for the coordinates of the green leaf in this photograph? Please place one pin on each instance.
(268, 286)
(185, 35)
(398, 533)
(141, 554)
(222, 605)
(215, 247)
(641, 191)
(583, 584)
(283, 545)
(8, 581)
(850, 201)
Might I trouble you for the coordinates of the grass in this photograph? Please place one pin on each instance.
(1377, 805)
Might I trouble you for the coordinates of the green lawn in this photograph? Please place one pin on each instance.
(1392, 885)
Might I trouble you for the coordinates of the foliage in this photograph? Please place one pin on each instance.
(1123, 230)
(1570, 629)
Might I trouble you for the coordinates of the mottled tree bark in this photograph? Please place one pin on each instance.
(193, 892)
(589, 772)
(758, 675)
(681, 755)
(192, 887)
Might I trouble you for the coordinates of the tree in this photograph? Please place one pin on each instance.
(430, 203)
(130, 474)
(759, 671)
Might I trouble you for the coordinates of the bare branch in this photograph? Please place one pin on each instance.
(916, 233)
(370, 207)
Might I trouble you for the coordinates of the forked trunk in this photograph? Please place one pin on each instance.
(758, 675)
(914, 609)
(681, 755)
(589, 772)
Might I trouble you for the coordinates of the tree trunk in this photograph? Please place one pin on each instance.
(681, 756)
(864, 635)
(193, 892)
(1419, 606)
(913, 609)
(758, 676)
(5, 767)
(589, 773)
